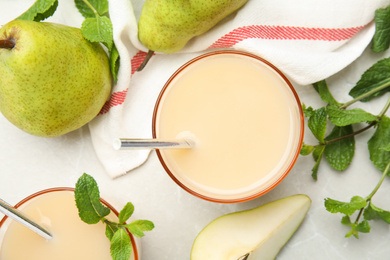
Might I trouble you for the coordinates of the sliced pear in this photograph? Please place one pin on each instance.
(256, 234)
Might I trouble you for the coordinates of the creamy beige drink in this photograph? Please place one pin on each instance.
(72, 238)
(245, 119)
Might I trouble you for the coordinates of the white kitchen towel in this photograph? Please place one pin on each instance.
(307, 40)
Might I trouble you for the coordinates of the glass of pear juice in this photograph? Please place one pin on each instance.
(244, 118)
(55, 209)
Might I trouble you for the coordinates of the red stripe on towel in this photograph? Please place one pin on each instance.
(284, 33)
(117, 98)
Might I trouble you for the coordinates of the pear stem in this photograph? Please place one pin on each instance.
(7, 44)
(145, 61)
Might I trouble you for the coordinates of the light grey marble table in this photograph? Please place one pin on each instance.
(30, 163)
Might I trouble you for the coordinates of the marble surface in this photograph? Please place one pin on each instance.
(30, 163)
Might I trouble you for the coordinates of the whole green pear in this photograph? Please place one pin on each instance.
(52, 80)
(166, 26)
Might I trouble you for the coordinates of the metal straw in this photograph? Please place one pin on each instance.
(18, 216)
(123, 143)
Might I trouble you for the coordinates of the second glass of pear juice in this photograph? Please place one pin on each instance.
(55, 209)
(244, 117)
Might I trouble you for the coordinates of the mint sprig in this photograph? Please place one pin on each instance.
(363, 207)
(92, 211)
(338, 147)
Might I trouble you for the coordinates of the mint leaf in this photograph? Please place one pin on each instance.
(308, 111)
(317, 123)
(317, 156)
(99, 6)
(373, 212)
(381, 40)
(322, 88)
(98, 29)
(377, 76)
(341, 117)
(126, 212)
(138, 226)
(381, 138)
(110, 230)
(40, 10)
(317, 153)
(363, 227)
(87, 196)
(346, 221)
(121, 245)
(306, 149)
(339, 154)
(347, 208)
(114, 62)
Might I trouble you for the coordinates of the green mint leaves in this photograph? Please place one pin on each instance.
(98, 29)
(317, 123)
(338, 146)
(338, 149)
(97, 26)
(92, 211)
(347, 208)
(40, 10)
(87, 195)
(121, 245)
(374, 82)
(362, 207)
(381, 39)
(342, 117)
(137, 227)
(88, 8)
(379, 155)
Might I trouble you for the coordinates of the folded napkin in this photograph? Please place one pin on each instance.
(307, 40)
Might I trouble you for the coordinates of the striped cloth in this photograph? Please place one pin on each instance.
(308, 40)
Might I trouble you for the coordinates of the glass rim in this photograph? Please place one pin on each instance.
(300, 126)
(45, 191)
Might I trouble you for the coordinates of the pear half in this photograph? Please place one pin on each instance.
(259, 233)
